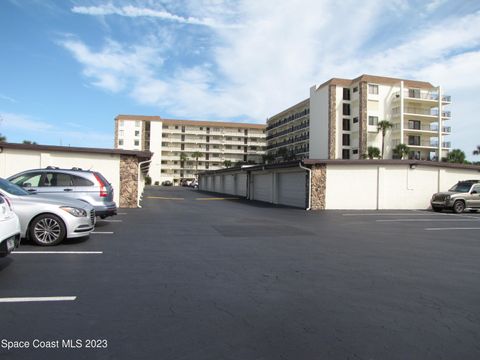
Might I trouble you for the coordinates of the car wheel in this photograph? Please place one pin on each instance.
(458, 207)
(437, 209)
(47, 230)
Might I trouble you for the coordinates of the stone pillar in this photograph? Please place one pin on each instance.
(363, 120)
(319, 186)
(128, 181)
(332, 121)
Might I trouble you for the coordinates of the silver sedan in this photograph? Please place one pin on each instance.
(49, 221)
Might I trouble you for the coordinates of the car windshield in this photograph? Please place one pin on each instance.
(461, 187)
(12, 189)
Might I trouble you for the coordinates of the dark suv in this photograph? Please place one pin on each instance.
(465, 194)
(85, 185)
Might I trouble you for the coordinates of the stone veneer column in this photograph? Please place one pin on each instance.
(332, 121)
(128, 181)
(362, 121)
(319, 185)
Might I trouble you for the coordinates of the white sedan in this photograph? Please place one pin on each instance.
(9, 227)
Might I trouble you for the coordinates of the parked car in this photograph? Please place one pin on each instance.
(194, 184)
(85, 185)
(186, 182)
(9, 227)
(167, 183)
(48, 221)
(463, 195)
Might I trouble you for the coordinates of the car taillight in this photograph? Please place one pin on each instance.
(103, 190)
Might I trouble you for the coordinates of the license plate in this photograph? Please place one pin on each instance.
(10, 244)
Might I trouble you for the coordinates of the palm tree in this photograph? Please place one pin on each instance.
(29, 142)
(373, 152)
(196, 155)
(401, 150)
(227, 163)
(3, 138)
(456, 156)
(477, 150)
(384, 125)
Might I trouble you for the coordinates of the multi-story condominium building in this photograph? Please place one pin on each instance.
(339, 120)
(174, 143)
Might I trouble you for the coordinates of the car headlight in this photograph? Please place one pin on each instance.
(74, 211)
(447, 198)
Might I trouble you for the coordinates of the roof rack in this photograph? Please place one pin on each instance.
(77, 168)
(52, 167)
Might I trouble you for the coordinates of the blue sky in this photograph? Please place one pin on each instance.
(69, 67)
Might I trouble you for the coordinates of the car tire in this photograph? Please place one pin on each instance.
(47, 230)
(458, 207)
(437, 209)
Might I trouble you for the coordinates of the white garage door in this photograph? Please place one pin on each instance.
(241, 185)
(262, 187)
(209, 183)
(218, 184)
(229, 184)
(291, 189)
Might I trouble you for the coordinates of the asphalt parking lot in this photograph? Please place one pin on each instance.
(193, 275)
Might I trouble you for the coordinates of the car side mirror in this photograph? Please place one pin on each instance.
(474, 192)
(25, 185)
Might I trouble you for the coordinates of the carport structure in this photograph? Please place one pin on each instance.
(341, 184)
(125, 169)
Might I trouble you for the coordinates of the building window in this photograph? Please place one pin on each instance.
(164, 144)
(164, 135)
(345, 154)
(201, 128)
(164, 161)
(137, 123)
(120, 141)
(175, 163)
(120, 123)
(355, 89)
(120, 133)
(164, 171)
(346, 94)
(355, 151)
(137, 133)
(229, 138)
(373, 120)
(414, 140)
(414, 93)
(355, 119)
(253, 148)
(176, 127)
(239, 147)
(228, 146)
(346, 124)
(216, 155)
(346, 139)
(414, 124)
(164, 126)
(373, 89)
(346, 109)
(136, 142)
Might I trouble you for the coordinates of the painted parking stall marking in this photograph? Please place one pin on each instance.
(37, 299)
(103, 232)
(452, 228)
(58, 252)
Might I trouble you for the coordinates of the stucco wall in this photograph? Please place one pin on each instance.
(387, 186)
(13, 161)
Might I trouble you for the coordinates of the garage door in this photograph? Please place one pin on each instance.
(218, 184)
(241, 185)
(291, 189)
(229, 184)
(262, 187)
(209, 183)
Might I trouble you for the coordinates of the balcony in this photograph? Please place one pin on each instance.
(445, 114)
(289, 130)
(422, 95)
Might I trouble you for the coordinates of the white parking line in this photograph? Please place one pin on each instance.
(110, 220)
(101, 232)
(428, 220)
(37, 299)
(58, 252)
(382, 214)
(121, 213)
(452, 228)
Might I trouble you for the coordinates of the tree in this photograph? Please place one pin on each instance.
(183, 157)
(29, 142)
(456, 156)
(477, 150)
(373, 152)
(227, 163)
(383, 126)
(401, 150)
(268, 158)
(3, 138)
(283, 153)
(196, 155)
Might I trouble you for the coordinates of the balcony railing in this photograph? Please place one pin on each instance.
(289, 130)
(423, 95)
(289, 141)
(444, 113)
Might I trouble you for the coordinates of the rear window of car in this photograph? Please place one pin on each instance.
(81, 181)
(102, 178)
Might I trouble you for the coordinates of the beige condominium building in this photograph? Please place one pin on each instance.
(174, 143)
(339, 120)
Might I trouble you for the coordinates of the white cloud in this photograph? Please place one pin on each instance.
(267, 64)
(133, 11)
(7, 98)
